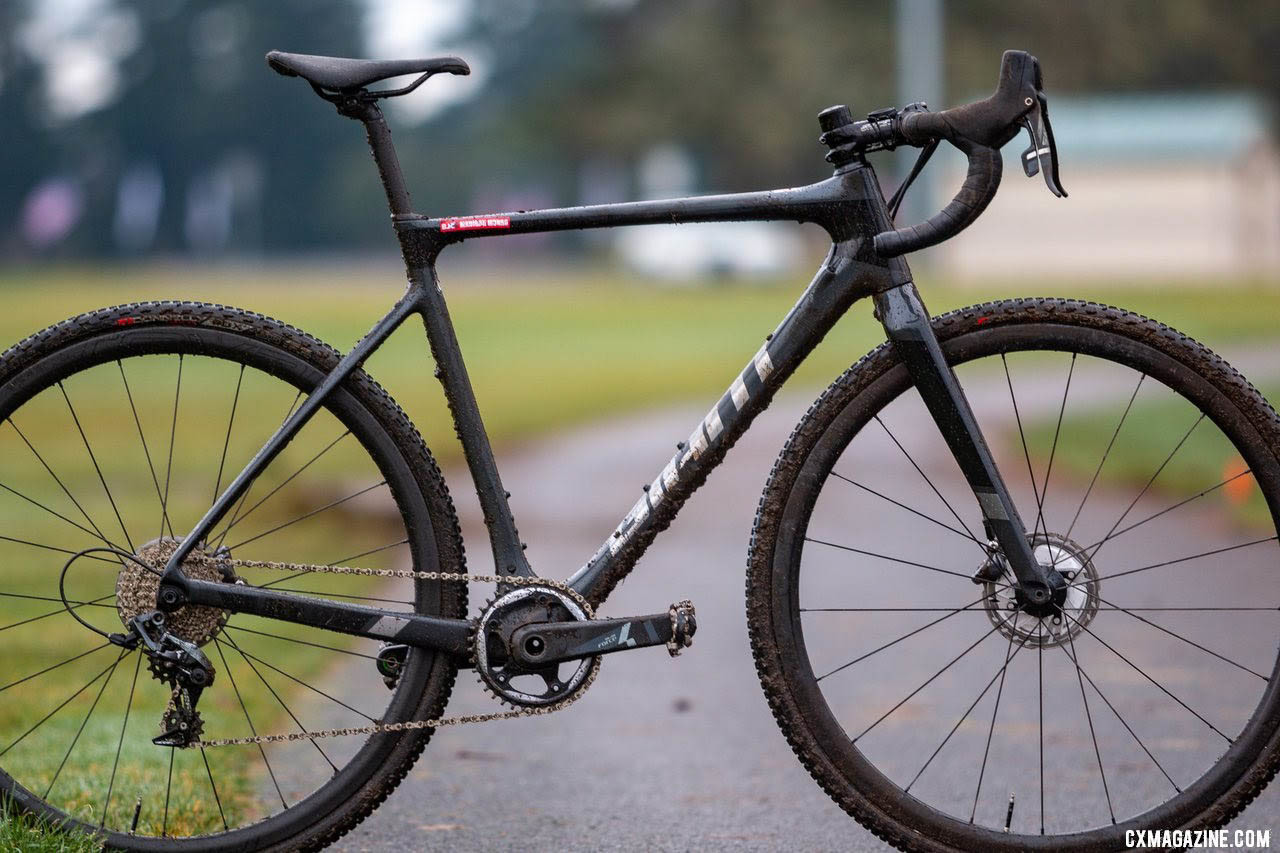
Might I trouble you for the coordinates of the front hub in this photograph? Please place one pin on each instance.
(1072, 604)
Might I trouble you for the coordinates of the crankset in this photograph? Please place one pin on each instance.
(528, 635)
(524, 637)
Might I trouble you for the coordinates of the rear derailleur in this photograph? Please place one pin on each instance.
(179, 664)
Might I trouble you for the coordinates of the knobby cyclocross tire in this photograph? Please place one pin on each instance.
(777, 612)
(199, 333)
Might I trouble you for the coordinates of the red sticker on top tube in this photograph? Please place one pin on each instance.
(474, 223)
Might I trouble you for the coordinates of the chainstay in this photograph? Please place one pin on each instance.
(410, 725)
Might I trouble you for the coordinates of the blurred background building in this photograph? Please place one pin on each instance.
(136, 129)
(1167, 185)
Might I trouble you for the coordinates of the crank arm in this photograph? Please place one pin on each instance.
(544, 643)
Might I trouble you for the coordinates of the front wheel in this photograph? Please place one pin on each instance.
(948, 713)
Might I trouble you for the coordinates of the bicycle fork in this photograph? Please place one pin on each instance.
(906, 322)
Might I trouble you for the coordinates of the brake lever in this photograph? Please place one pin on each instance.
(1041, 156)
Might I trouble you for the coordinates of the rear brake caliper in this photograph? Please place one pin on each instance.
(390, 663)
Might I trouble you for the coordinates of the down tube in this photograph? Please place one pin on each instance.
(845, 276)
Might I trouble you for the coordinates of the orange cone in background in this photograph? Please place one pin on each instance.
(1239, 483)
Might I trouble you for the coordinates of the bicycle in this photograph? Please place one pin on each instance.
(274, 612)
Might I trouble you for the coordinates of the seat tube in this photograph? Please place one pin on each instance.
(907, 324)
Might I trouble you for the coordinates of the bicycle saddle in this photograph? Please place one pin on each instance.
(345, 75)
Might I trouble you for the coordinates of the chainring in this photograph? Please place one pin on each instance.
(515, 683)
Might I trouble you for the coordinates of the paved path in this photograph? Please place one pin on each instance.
(661, 754)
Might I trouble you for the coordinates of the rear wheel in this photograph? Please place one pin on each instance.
(117, 429)
(949, 715)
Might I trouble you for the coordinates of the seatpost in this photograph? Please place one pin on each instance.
(384, 153)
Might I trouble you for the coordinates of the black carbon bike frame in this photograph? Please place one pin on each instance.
(850, 206)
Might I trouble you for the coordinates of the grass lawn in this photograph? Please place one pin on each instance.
(545, 352)
(1206, 461)
(549, 349)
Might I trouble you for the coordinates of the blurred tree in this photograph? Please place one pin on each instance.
(740, 82)
(737, 83)
(244, 159)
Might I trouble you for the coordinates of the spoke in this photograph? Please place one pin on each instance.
(96, 467)
(921, 472)
(1143, 673)
(1008, 655)
(343, 561)
(1041, 522)
(916, 512)
(83, 723)
(1183, 559)
(54, 512)
(286, 481)
(850, 548)
(252, 730)
(245, 497)
(313, 689)
(226, 443)
(1017, 416)
(1093, 734)
(1093, 553)
(120, 745)
(1193, 609)
(905, 636)
(168, 787)
(999, 674)
(287, 710)
(890, 609)
(58, 550)
(1105, 454)
(57, 480)
(1122, 720)
(168, 471)
(55, 666)
(303, 642)
(1180, 503)
(55, 612)
(214, 788)
(929, 680)
(1040, 672)
(65, 702)
(155, 480)
(307, 515)
(1186, 640)
(55, 600)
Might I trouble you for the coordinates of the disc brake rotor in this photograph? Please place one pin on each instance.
(1066, 615)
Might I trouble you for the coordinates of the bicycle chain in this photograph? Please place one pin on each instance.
(408, 725)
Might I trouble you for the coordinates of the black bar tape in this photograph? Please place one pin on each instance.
(979, 130)
(979, 187)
